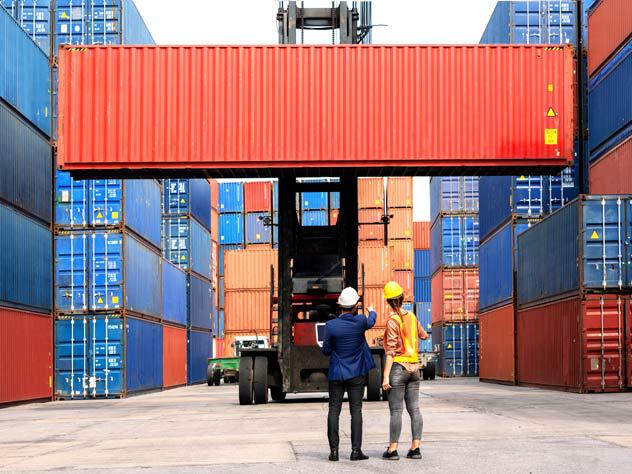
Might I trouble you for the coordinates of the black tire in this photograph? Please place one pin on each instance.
(260, 384)
(217, 377)
(432, 371)
(277, 394)
(374, 384)
(209, 376)
(245, 380)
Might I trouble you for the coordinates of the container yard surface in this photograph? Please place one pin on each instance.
(468, 427)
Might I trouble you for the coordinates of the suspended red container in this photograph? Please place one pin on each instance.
(258, 196)
(247, 108)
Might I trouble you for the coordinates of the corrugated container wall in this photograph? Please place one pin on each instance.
(421, 235)
(174, 294)
(174, 356)
(453, 194)
(24, 74)
(211, 119)
(187, 197)
(498, 356)
(143, 355)
(247, 310)
(455, 295)
(376, 261)
(26, 165)
(399, 192)
(249, 269)
(25, 356)
(231, 197)
(258, 196)
(200, 303)
(371, 193)
(612, 173)
(458, 349)
(455, 242)
(187, 244)
(609, 26)
(199, 349)
(25, 262)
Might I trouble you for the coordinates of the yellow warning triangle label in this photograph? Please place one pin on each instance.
(522, 178)
(449, 346)
(182, 200)
(551, 112)
(100, 300)
(182, 258)
(594, 235)
(99, 216)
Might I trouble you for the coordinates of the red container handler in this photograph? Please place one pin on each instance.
(421, 235)
(26, 356)
(245, 108)
(258, 196)
(455, 295)
(612, 173)
(497, 345)
(304, 334)
(609, 27)
(174, 356)
(576, 344)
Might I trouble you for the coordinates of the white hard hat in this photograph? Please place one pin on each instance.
(348, 298)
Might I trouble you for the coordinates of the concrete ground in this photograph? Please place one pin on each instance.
(469, 427)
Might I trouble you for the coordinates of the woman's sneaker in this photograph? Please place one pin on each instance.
(390, 456)
(414, 454)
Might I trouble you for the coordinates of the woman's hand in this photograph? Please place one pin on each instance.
(424, 335)
(385, 384)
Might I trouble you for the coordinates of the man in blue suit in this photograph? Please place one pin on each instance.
(349, 365)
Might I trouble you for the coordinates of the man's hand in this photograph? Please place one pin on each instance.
(386, 385)
(370, 308)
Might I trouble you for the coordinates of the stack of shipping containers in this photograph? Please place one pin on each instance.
(422, 273)
(26, 324)
(187, 276)
(454, 239)
(511, 204)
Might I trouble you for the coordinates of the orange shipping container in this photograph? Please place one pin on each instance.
(246, 310)
(455, 295)
(377, 264)
(612, 174)
(421, 235)
(609, 27)
(374, 295)
(371, 193)
(214, 263)
(214, 194)
(497, 356)
(249, 269)
(399, 192)
(368, 230)
(402, 254)
(218, 347)
(401, 225)
(174, 356)
(405, 279)
(215, 225)
(375, 336)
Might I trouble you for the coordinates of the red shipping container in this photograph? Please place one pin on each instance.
(333, 216)
(249, 269)
(612, 173)
(405, 279)
(421, 235)
(258, 196)
(214, 225)
(174, 356)
(214, 194)
(304, 334)
(376, 259)
(371, 193)
(218, 347)
(401, 224)
(497, 345)
(247, 311)
(399, 192)
(26, 356)
(574, 344)
(402, 254)
(367, 229)
(609, 27)
(454, 295)
(246, 108)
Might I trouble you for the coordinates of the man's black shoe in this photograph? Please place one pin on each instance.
(390, 455)
(333, 455)
(357, 455)
(414, 454)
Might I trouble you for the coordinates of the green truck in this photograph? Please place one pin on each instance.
(219, 368)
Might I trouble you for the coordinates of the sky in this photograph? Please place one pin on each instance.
(254, 22)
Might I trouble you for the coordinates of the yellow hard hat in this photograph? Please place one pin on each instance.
(392, 290)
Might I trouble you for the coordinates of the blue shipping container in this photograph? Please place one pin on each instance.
(199, 349)
(314, 218)
(26, 166)
(423, 311)
(220, 323)
(26, 262)
(458, 346)
(174, 294)
(422, 263)
(583, 246)
(89, 356)
(220, 290)
(231, 197)
(454, 242)
(452, 194)
(143, 355)
(257, 232)
(498, 255)
(187, 244)
(24, 74)
(231, 229)
(314, 201)
(106, 270)
(222, 250)
(610, 104)
(183, 197)
(422, 289)
(200, 303)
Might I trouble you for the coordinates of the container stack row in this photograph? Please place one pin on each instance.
(509, 205)
(189, 261)
(422, 273)
(26, 240)
(454, 241)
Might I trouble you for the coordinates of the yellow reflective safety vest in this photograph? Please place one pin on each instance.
(411, 343)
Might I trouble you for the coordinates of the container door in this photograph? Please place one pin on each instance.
(106, 356)
(106, 197)
(106, 270)
(71, 201)
(71, 272)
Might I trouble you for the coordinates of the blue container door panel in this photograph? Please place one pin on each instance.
(106, 270)
(71, 272)
(257, 232)
(175, 196)
(470, 191)
(106, 355)
(527, 196)
(72, 200)
(606, 224)
(423, 311)
(496, 268)
(470, 241)
(200, 303)
(199, 349)
(174, 294)
(176, 241)
(143, 355)
(231, 229)
(200, 190)
(70, 16)
(200, 245)
(314, 218)
(106, 202)
(422, 289)
(104, 22)
(143, 279)
(231, 197)
(142, 208)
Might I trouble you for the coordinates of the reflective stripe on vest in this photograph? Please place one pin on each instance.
(410, 343)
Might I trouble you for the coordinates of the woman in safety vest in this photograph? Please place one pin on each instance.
(401, 371)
